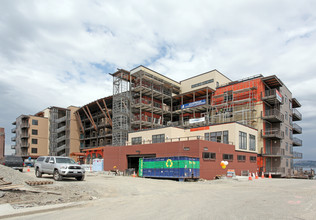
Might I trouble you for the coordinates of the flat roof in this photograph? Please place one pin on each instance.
(206, 73)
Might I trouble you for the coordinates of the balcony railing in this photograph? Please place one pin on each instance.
(25, 145)
(273, 115)
(24, 135)
(13, 130)
(271, 96)
(273, 134)
(274, 152)
(61, 138)
(297, 129)
(13, 138)
(13, 146)
(297, 116)
(297, 141)
(61, 129)
(61, 119)
(25, 125)
(297, 155)
(62, 147)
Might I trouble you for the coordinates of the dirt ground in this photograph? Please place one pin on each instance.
(118, 197)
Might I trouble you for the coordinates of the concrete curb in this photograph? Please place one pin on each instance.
(39, 209)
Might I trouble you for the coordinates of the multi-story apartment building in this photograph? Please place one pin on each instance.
(53, 131)
(2, 143)
(31, 139)
(147, 100)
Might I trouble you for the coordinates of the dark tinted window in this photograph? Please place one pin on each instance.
(40, 159)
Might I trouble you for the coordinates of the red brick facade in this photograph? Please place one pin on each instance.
(2, 143)
(209, 168)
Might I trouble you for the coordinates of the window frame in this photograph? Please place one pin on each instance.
(211, 156)
(242, 140)
(34, 141)
(35, 150)
(230, 157)
(252, 142)
(241, 158)
(158, 138)
(34, 122)
(34, 132)
(253, 159)
(136, 140)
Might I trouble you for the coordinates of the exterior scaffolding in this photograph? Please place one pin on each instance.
(235, 102)
(121, 107)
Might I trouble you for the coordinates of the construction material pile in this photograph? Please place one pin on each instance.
(14, 176)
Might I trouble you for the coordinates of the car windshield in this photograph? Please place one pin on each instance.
(65, 160)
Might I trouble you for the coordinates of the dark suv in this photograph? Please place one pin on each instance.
(15, 162)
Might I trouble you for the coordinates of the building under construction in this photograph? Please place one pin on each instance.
(145, 102)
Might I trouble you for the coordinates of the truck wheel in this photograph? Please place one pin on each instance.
(38, 173)
(57, 176)
(80, 178)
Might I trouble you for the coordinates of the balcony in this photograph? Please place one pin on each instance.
(25, 125)
(273, 115)
(272, 134)
(61, 119)
(25, 145)
(13, 130)
(24, 135)
(61, 129)
(274, 152)
(13, 138)
(61, 138)
(62, 147)
(297, 116)
(13, 146)
(297, 142)
(297, 155)
(297, 129)
(272, 96)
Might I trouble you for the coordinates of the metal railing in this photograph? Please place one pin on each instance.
(13, 138)
(297, 128)
(13, 130)
(277, 151)
(274, 113)
(297, 141)
(25, 145)
(297, 113)
(24, 135)
(61, 119)
(297, 155)
(270, 92)
(25, 125)
(273, 133)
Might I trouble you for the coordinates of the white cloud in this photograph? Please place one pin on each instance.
(59, 53)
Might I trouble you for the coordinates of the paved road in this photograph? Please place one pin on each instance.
(136, 198)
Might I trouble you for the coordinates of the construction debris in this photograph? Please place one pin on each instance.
(34, 183)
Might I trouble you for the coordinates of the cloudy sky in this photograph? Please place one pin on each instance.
(59, 53)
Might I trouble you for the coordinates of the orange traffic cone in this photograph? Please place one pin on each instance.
(249, 178)
(262, 175)
(134, 175)
(270, 177)
(28, 169)
(257, 176)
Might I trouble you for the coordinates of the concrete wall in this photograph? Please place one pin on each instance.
(117, 156)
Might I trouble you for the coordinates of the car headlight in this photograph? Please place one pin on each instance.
(63, 167)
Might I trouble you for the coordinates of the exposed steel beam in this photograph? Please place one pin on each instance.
(107, 111)
(87, 115)
(95, 127)
(106, 117)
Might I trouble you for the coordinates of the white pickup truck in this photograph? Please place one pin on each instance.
(59, 167)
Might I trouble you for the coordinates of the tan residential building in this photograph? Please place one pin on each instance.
(53, 131)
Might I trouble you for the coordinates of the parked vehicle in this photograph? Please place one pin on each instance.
(59, 167)
(15, 162)
(29, 162)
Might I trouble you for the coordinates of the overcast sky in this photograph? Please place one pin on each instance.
(59, 53)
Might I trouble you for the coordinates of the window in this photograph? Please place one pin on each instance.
(253, 159)
(207, 136)
(286, 146)
(40, 159)
(209, 156)
(34, 150)
(286, 131)
(216, 136)
(241, 157)
(205, 148)
(159, 138)
(242, 140)
(225, 137)
(217, 84)
(252, 142)
(47, 160)
(34, 132)
(186, 148)
(286, 115)
(34, 141)
(34, 122)
(202, 83)
(136, 140)
(213, 136)
(228, 157)
(287, 162)
(291, 148)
